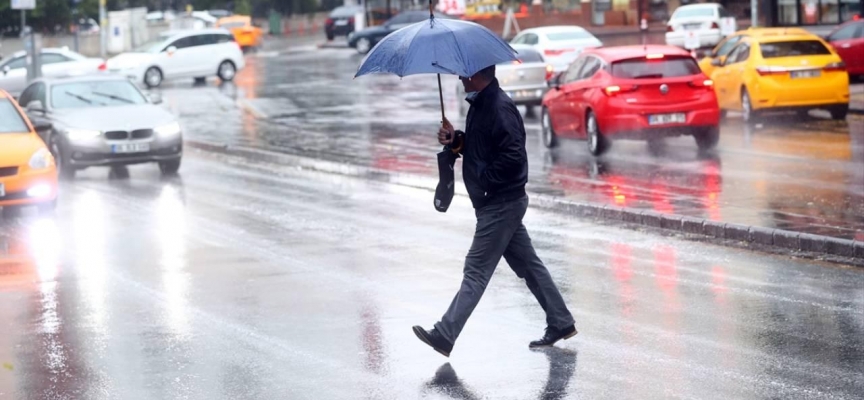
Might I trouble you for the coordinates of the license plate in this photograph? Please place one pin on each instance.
(341, 22)
(810, 73)
(130, 148)
(2, 190)
(692, 26)
(659, 119)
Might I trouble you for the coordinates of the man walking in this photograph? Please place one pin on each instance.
(495, 170)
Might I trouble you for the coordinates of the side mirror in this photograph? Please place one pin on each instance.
(35, 106)
(6, 69)
(171, 50)
(717, 62)
(41, 125)
(555, 81)
(155, 98)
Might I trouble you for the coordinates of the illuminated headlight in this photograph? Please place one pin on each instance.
(172, 129)
(41, 159)
(40, 190)
(82, 134)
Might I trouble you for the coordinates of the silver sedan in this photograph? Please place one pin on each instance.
(103, 121)
(523, 80)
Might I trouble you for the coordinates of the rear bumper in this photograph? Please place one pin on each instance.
(16, 187)
(632, 122)
(707, 38)
(525, 96)
(767, 93)
(338, 30)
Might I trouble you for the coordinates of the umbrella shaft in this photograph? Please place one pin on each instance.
(441, 98)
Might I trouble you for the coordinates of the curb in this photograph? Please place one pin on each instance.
(776, 238)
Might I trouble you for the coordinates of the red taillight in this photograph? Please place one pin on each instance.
(703, 83)
(555, 52)
(351, 20)
(618, 89)
(670, 29)
(856, 17)
(550, 72)
(765, 71)
(715, 26)
(103, 66)
(654, 56)
(329, 21)
(835, 66)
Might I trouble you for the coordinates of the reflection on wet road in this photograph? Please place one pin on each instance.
(244, 281)
(791, 172)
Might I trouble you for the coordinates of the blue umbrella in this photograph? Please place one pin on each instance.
(437, 46)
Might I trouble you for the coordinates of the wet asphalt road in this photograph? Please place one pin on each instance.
(240, 280)
(801, 174)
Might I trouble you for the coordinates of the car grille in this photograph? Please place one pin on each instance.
(116, 135)
(8, 171)
(142, 134)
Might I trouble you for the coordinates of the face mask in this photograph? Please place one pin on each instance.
(470, 96)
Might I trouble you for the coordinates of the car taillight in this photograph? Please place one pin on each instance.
(765, 71)
(715, 26)
(555, 52)
(550, 72)
(669, 28)
(351, 20)
(618, 89)
(329, 21)
(835, 66)
(103, 66)
(702, 83)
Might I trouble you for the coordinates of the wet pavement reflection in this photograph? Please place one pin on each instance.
(240, 279)
(802, 173)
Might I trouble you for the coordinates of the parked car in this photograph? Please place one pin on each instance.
(185, 54)
(28, 175)
(631, 92)
(248, 36)
(55, 62)
(726, 45)
(787, 72)
(367, 38)
(524, 80)
(340, 22)
(559, 45)
(848, 42)
(103, 121)
(702, 19)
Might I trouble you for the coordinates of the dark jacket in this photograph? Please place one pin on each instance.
(495, 165)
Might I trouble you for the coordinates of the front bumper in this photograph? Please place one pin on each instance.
(15, 187)
(707, 38)
(82, 156)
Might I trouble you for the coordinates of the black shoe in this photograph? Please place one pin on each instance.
(433, 338)
(553, 335)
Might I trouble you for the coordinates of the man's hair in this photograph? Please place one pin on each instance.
(487, 73)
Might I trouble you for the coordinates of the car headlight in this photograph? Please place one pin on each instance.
(172, 129)
(41, 159)
(82, 134)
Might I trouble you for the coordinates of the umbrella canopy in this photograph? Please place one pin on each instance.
(437, 46)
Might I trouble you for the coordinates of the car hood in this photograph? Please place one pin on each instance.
(119, 118)
(128, 60)
(17, 148)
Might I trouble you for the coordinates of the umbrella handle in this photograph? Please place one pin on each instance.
(441, 99)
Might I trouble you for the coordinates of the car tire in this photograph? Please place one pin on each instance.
(839, 112)
(200, 80)
(64, 169)
(597, 142)
(330, 36)
(153, 77)
(708, 138)
(749, 115)
(169, 167)
(550, 139)
(363, 45)
(227, 71)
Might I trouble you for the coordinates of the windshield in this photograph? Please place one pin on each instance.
(793, 48)
(641, 68)
(95, 94)
(153, 46)
(693, 12)
(571, 35)
(10, 120)
(232, 25)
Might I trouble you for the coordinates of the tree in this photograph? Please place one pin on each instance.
(242, 7)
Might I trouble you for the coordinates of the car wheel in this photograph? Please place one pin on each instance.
(550, 139)
(200, 80)
(227, 71)
(153, 77)
(707, 139)
(363, 45)
(839, 112)
(748, 113)
(597, 143)
(65, 170)
(169, 167)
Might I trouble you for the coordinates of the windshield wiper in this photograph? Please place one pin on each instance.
(648, 76)
(79, 97)
(114, 97)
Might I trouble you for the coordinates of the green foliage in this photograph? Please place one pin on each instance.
(242, 7)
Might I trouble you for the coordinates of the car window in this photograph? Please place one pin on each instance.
(528, 55)
(643, 68)
(222, 38)
(519, 39)
(592, 65)
(568, 35)
(846, 33)
(793, 48)
(183, 43)
(693, 12)
(10, 119)
(206, 40)
(54, 58)
(17, 62)
(743, 53)
(572, 73)
(531, 39)
(726, 46)
(95, 94)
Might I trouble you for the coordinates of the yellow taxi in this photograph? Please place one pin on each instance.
(782, 72)
(725, 46)
(28, 175)
(246, 34)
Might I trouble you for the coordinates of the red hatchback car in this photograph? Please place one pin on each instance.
(631, 92)
(848, 41)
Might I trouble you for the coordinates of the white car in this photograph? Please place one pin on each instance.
(559, 45)
(56, 62)
(701, 22)
(189, 54)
